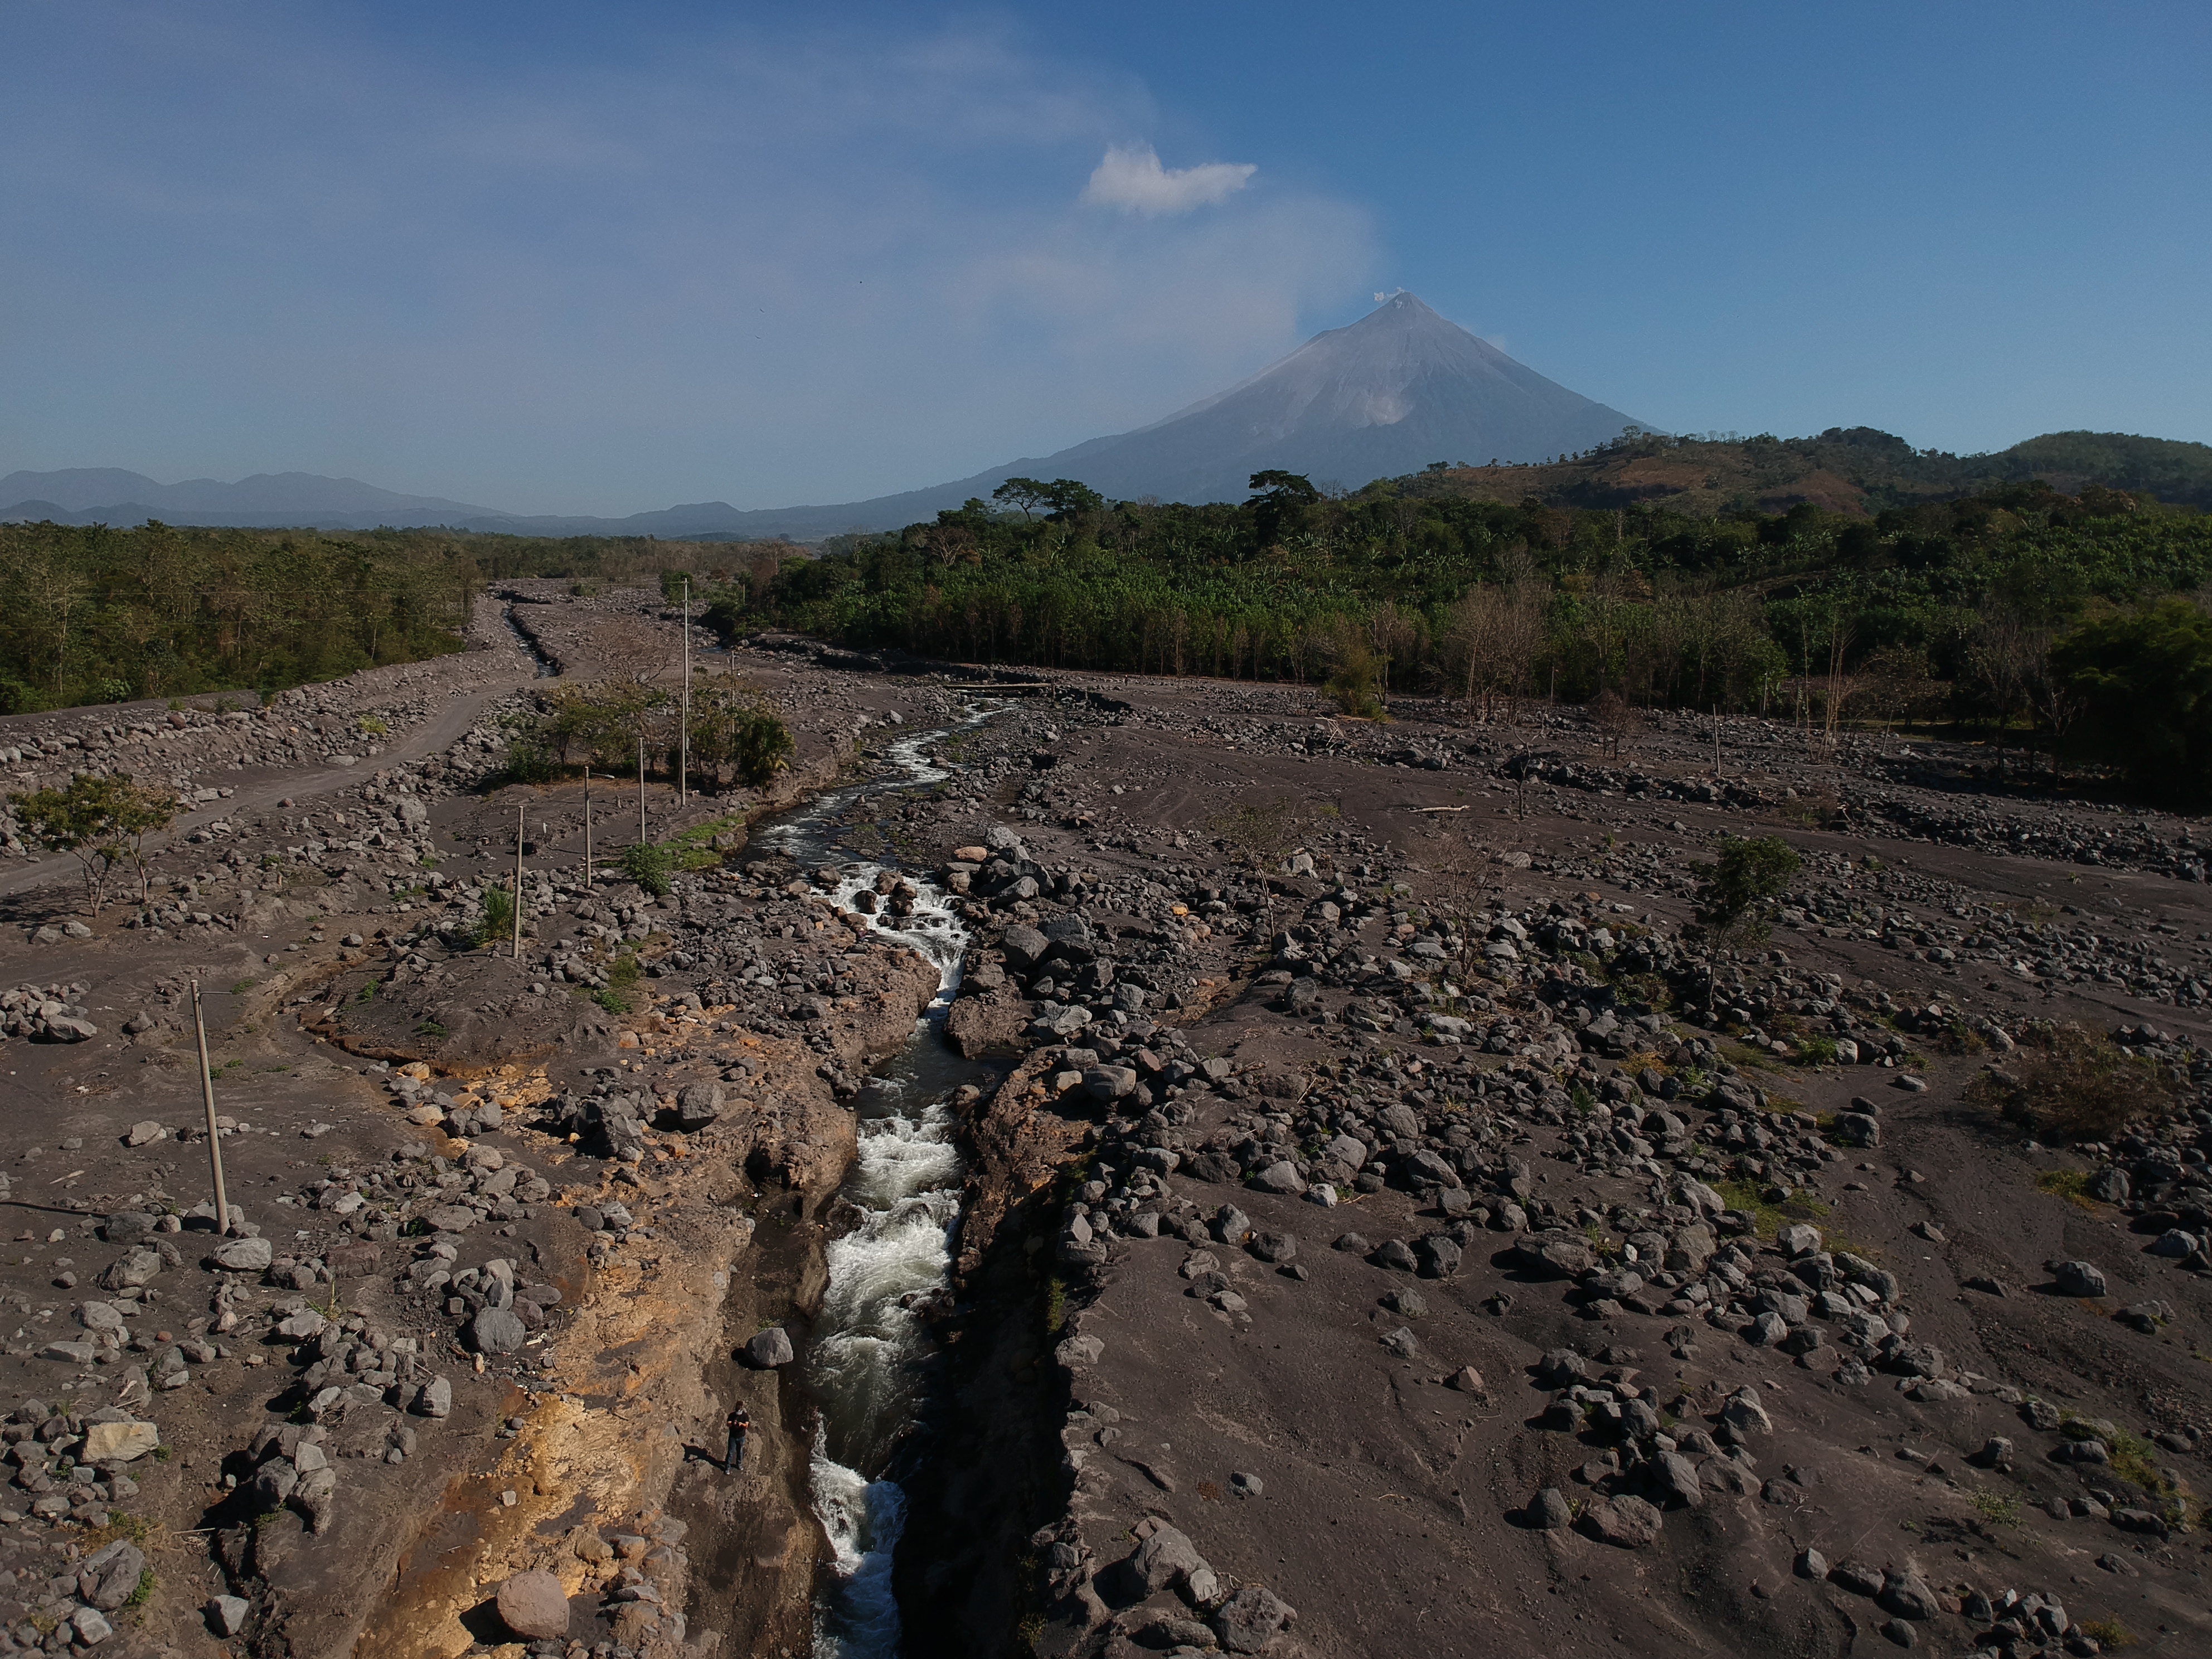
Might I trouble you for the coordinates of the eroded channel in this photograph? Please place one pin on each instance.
(897, 1214)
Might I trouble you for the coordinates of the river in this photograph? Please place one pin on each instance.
(865, 1365)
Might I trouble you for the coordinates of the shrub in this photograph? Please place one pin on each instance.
(2069, 1085)
(497, 925)
(1353, 686)
(1735, 889)
(528, 761)
(761, 746)
(649, 865)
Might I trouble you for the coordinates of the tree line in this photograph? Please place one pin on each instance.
(1985, 609)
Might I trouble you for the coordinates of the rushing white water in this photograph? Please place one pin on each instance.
(905, 1182)
(859, 1367)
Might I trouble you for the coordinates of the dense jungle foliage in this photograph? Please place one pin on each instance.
(1953, 609)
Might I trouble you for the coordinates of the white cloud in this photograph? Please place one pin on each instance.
(1131, 178)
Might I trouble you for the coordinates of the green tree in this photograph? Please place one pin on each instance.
(1278, 503)
(138, 811)
(1026, 493)
(2144, 679)
(1735, 891)
(100, 822)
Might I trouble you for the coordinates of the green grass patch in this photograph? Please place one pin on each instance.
(243, 987)
(1999, 1509)
(2072, 1185)
(1769, 1217)
(1055, 1306)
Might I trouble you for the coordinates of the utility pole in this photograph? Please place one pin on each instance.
(588, 828)
(641, 784)
(1716, 740)
(683, 733)
(518, 881)
(207, 1097)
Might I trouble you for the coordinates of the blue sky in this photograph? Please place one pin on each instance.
(603, 259)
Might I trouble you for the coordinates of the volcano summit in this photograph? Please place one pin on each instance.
(1387, 395)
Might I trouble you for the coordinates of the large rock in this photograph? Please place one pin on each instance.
(697, 1105)
(1024, 947)
(434, 1398)
(245, 1256)
(227, 1615)
(1549, 1512)
(118, 1443)
(1109, 1083)
(1165, 1559)
(2078, 1278)
(1798, 1240)
(1249, 1619)
(450, 1218)
(1675, 1480)
(1746, 1413)
(770, 1349)
(985, 1026)
(498, 1330)
(1625, 1522)
(1906, 1594)
(133, 1269)
(109, 1576)
(534, 1606)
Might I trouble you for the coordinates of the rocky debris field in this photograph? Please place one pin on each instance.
(1387, 1226)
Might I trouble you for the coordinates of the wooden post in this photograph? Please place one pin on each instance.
(518, 881)
(207, 1097)
(641, 784)
(1716, 740)
(684, 717)
(588, 828)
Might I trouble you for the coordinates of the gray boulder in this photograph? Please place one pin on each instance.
(1251, 1619)
(498, 1330)
(770, 1349)
(1024, 947)
(1166, 1558)
(698, 1105)
(109, 1576)
(1108, 1082)
(1548, 1511)
(227, 1615)
(2078, 1278)
(245, 1256)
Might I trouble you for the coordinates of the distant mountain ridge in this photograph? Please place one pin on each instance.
(1856, 471)
(1386, 397)
(1396, 390)
(88, 488)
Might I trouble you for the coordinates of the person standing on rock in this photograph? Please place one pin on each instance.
(739, 1424)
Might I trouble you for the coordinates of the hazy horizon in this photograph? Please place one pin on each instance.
(570, 262)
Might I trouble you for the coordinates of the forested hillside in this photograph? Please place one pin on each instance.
(1964, 608)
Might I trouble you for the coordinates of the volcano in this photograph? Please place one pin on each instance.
(1387, 395)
